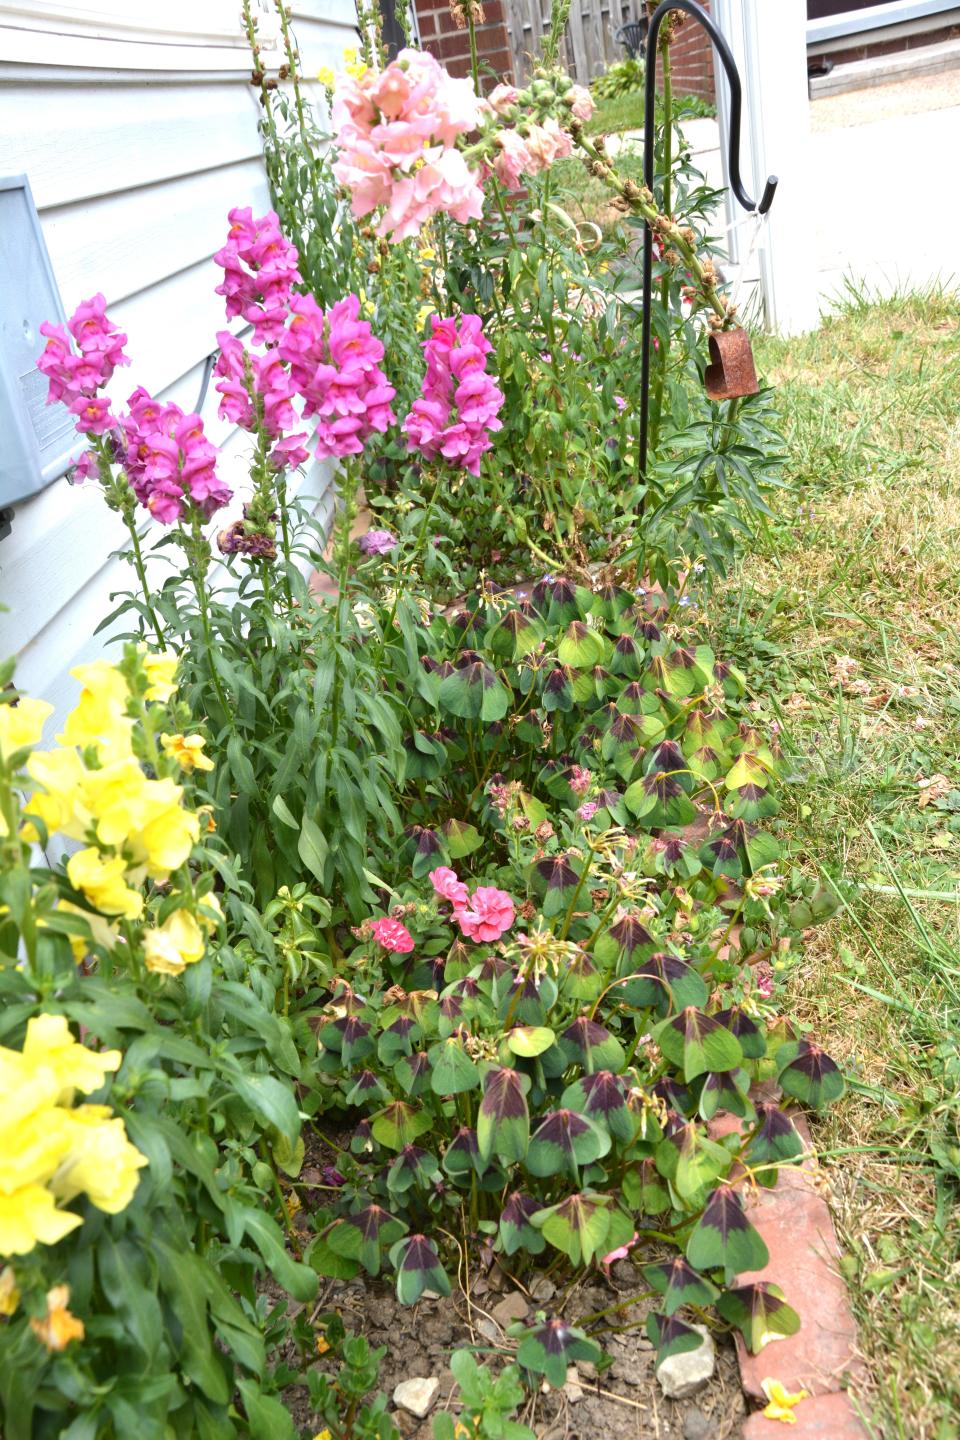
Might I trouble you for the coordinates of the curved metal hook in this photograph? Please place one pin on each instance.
(733, 168)
(736, 102)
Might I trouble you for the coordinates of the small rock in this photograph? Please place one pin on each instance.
(489, 1329)
(406, 1423)
(543, 1288)
(572, 1387)
(512, 1307)
(480, 1285)
(696, 1425)
(587, 1369)
(429, 1295)
(683, 1375)
(417, 1395)
(624, 1272)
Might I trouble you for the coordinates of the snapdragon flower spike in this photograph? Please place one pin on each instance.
(75, 376)
(169, 460)
(334, 360)
(260, 267)
(273, 388)
(459, 402)
(396, 136)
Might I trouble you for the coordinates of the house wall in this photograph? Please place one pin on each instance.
(137, 127)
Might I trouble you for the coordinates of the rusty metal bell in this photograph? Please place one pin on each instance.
(731, 372)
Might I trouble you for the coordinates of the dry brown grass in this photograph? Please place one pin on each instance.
(852, 611)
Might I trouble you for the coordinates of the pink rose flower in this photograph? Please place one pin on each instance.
(489, 912)
(448, 887)
(393, 936)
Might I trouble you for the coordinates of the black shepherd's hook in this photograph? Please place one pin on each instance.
(733, 169)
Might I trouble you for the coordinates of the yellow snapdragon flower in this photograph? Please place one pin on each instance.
(781, 1403)
(9, 1293)
(187, 750)
(29, 1217)
(59, 802)
(161, 672)
(101, 1161)
(103, 884)
(169, 948)
(326, 77)
(100, 716)
(50, 1044)
(22, 724)
(101, 931)
(58, 1327)
(50, 1151)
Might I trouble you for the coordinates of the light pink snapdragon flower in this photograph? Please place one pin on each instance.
(459, 402)
(396, 136)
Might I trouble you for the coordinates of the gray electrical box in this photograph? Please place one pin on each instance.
(39, 441)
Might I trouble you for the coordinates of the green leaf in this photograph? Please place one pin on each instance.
(503, 1124)
(269, 1099)
(266, 1234)
(808, 1074)
(602, 1097)
(312, 848)
(547, 1349)
(474, 692)
(418, 1269)
(581, 648)
(774, 1142)
(364, 1236)
(671, 1336)
(723, 1237)
(586, 1043)
(268, 1418)
(516, 1229)
(529, 1040)
(579, 1226)
(760, 1313)
(399, 1124)
(462, 839)
(453, 1070)
(679, 1284)
(563, 1142)
(696, 1042)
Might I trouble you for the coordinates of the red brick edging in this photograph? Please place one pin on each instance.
(797, 1227)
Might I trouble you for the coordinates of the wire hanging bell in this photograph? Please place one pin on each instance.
(731, 372)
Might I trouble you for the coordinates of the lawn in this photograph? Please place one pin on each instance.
(847, 615)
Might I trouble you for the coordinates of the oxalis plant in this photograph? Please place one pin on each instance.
(524, 1053)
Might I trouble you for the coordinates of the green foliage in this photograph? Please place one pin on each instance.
(623, 77)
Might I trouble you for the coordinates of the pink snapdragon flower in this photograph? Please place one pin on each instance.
(260, 266)
(377, 542)
(502, 98)
(580, 779)
(334, 361)
(488, 913)
(392, 935)
(273, 389)
(75, 376)
(580, 101)
(396, 136)
(169, 460)
(448, 887)
(513, 158)
(459, 402)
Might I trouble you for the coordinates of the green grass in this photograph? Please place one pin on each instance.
(847, 615)
(624, 112)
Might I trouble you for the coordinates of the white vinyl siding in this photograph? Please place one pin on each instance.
(137, 127)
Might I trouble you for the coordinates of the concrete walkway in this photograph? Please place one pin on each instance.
(884, 207)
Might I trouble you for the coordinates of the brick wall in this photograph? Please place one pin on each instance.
(440, 35)
(691, 58)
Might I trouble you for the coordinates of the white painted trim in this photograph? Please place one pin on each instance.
(768, 40)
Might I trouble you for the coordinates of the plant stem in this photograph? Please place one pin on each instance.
(141, 569)
(474, 58)
(656, 406)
